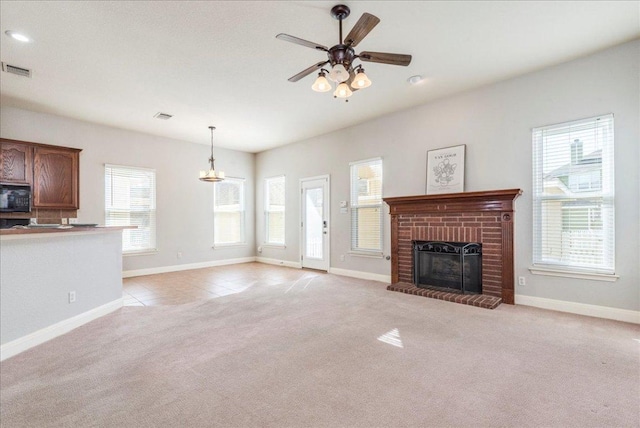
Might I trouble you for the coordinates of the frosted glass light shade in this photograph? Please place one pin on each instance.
(343, 91)
(321, 84)
(338, 73)
(361, 81)
(211, 175)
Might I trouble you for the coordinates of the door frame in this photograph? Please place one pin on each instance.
(327, 203)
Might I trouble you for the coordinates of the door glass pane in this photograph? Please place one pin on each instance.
(313, 223)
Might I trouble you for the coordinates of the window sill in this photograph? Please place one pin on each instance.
(281, 246)
(370, 255)
(223, 246)
(149, 252)
(537, 270)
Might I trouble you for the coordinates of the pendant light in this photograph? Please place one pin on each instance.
(212, 175)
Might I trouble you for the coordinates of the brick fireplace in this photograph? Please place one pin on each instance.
(483, 217)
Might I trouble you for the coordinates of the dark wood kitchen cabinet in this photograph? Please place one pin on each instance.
(53, 172)
(55, 177)
(15, 163)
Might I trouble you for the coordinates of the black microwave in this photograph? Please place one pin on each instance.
(15, 198)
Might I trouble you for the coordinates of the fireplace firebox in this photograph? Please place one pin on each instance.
(455, 266)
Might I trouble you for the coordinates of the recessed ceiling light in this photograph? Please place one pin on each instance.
(414, 80)
(17, 36)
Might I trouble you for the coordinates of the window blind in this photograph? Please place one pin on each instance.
(366, 206)
(228, 211)
(573, 200)
(274, 210)
(130, 200)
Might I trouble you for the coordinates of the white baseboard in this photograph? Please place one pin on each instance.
(580, 308)
(188, 266)
(277, 262)
(361, 275)
(58, 329)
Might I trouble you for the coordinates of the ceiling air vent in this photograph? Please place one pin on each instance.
(20, 71)
(163, 116)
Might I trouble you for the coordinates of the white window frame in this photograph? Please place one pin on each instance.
(110, 220)
(241, 210)
(355, 207)
(543, 263)
(267, 211)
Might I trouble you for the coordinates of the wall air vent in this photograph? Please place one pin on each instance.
(20, 71)
(163, 116)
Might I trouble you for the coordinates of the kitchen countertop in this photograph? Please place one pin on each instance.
(66, 229)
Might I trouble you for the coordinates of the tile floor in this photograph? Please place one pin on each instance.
(177, 288)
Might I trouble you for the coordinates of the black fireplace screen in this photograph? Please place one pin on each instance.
(453, 265)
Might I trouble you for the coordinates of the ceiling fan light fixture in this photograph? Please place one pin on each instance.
(343, 91)
(361, 80)
(212, 175)
(338, 73)
(321, 84)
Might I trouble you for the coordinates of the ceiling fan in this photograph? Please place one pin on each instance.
(348, 76)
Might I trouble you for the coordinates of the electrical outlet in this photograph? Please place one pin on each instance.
(341, 257)
(522, 280)
(72, 296)
(179, 254)
(259, 249)
(73, 221)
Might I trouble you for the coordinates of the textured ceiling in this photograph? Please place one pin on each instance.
(219, 63)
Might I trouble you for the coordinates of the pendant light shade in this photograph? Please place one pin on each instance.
(361, 80)
(212, 175)
(321, 84)
(343, 91)
(338, 73)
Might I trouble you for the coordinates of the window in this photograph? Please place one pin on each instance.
(366, 206)
(130, 200)
(274, 197)
(228, 211)
(574, 196)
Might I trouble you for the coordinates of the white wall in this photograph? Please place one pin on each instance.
(495, 124)
(184, 204)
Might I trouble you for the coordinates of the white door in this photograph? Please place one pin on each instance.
(315, 222)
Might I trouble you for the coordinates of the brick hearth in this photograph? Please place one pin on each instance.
(481, 300)
(484, 217)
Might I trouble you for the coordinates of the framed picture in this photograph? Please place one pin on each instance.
(445, 170)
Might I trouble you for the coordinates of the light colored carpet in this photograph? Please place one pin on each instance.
(319, 350)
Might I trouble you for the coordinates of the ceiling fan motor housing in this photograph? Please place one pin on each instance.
(341, 54)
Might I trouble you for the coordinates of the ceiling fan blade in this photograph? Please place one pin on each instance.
(306, 72)
(385, 58)
(299, 41)
(361, 29)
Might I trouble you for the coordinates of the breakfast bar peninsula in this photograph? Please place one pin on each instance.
(53, 280)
